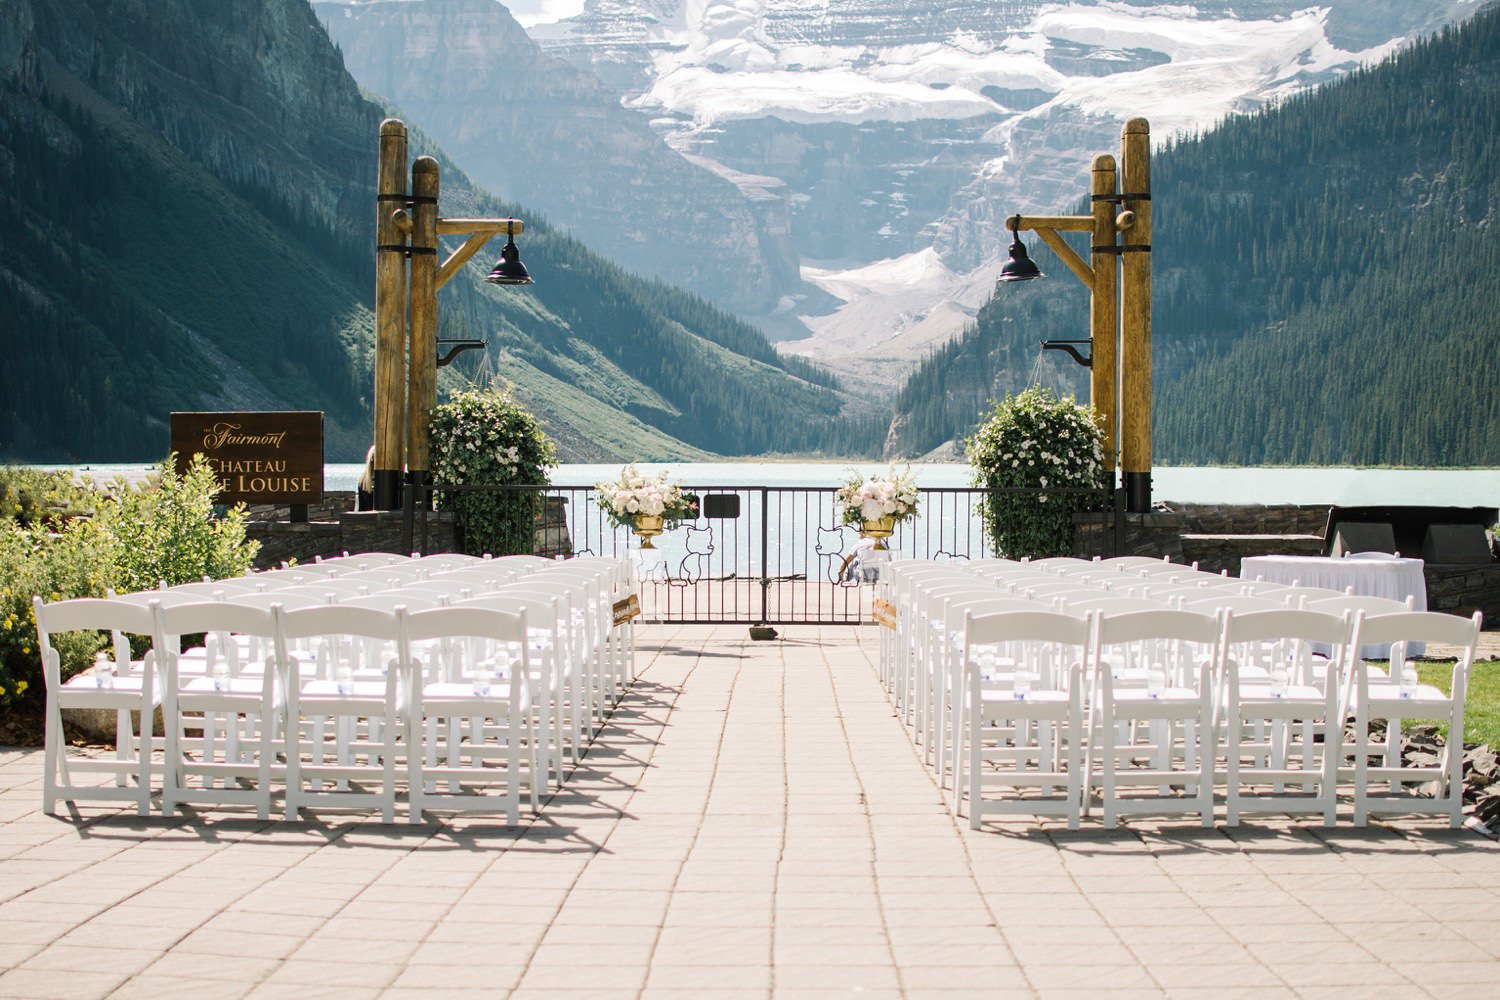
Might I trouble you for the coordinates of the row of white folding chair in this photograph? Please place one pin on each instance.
(1077, 718)
(292, 593)
(1300, 724)
(277, 699)
(400, 693)
(920, 691)
(902, 585)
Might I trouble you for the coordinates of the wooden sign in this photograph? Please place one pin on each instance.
(269, 456)
(627, 608)
(884, 613)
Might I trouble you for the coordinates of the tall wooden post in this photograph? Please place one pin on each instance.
(1104, 309)
(1135, 429)
(421, 382)
(390, 317)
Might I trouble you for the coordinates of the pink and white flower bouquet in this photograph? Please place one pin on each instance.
(635, 493)
(893, 495)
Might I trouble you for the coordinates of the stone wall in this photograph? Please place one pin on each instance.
(1464, 589)
(334, 527)
(1251, 519)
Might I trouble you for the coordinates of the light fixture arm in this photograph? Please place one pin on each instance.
(458, 258)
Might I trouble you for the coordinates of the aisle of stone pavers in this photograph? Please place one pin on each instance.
(753, 820)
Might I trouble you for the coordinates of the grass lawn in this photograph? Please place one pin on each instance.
(1482, 710)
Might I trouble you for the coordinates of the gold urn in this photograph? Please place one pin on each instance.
(648, 526)
(879, 529)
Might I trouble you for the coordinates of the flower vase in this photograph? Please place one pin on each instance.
(647, 527)
(879, 529)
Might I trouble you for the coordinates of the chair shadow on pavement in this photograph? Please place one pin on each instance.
(625, 742)
(1282, 837)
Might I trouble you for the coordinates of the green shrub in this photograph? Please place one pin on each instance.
(1036, 442)
(164, 529)
(485, 438)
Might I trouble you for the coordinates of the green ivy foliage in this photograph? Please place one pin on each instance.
(1038, 443)
(483, 437)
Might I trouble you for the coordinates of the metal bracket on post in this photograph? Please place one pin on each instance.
(1071, 347)
(456, 348)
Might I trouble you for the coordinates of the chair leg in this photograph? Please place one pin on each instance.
(52, 742)
(293, 767)
(1075, 764)
(976, 773)
(171, 765)
(144, 732)
(1107, 779)
(1361, 769)
(263, 771)
(1328, 791)
(388, 769)
(1232, 768)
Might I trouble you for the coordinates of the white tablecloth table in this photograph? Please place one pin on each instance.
(1390, 577)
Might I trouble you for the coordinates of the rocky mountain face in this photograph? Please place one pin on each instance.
(1325, 281)
(537, 130)
(189, 190)
(903, 128)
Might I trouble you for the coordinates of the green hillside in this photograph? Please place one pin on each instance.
(1327, 280)
(190, 192)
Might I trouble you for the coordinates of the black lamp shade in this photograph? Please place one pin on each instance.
(509, 270)
(1020, 267)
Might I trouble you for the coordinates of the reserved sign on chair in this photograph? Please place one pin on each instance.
(627, 608)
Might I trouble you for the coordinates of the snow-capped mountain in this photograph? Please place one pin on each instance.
(902, 132)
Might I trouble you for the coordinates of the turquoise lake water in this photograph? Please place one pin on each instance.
(1448, 487)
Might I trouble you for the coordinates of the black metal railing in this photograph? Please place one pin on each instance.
(764, 554)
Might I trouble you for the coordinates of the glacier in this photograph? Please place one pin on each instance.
(902, 132)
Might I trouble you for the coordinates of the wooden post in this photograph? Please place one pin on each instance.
(1135, 424)
(421, 382)
(1104, 310)
(390, 317)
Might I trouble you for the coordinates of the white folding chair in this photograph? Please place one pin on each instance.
(1167, 722)
(350, 690)
(242, 707)
(1294, 708)
(495, 704)
(447, 560)
(116, 683)
(1027, 738)
(557, 684)
(1404, 697)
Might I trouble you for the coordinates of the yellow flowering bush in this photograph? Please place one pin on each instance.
(34, 559)
(138, 536)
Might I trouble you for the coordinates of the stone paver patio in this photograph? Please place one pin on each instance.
(754, 821)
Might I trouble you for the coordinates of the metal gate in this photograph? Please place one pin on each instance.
(765, 554)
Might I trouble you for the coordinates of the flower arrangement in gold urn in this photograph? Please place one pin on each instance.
(646, 504)
(876, 504)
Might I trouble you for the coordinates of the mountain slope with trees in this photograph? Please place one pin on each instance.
(1327, 280)
(189, 189)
